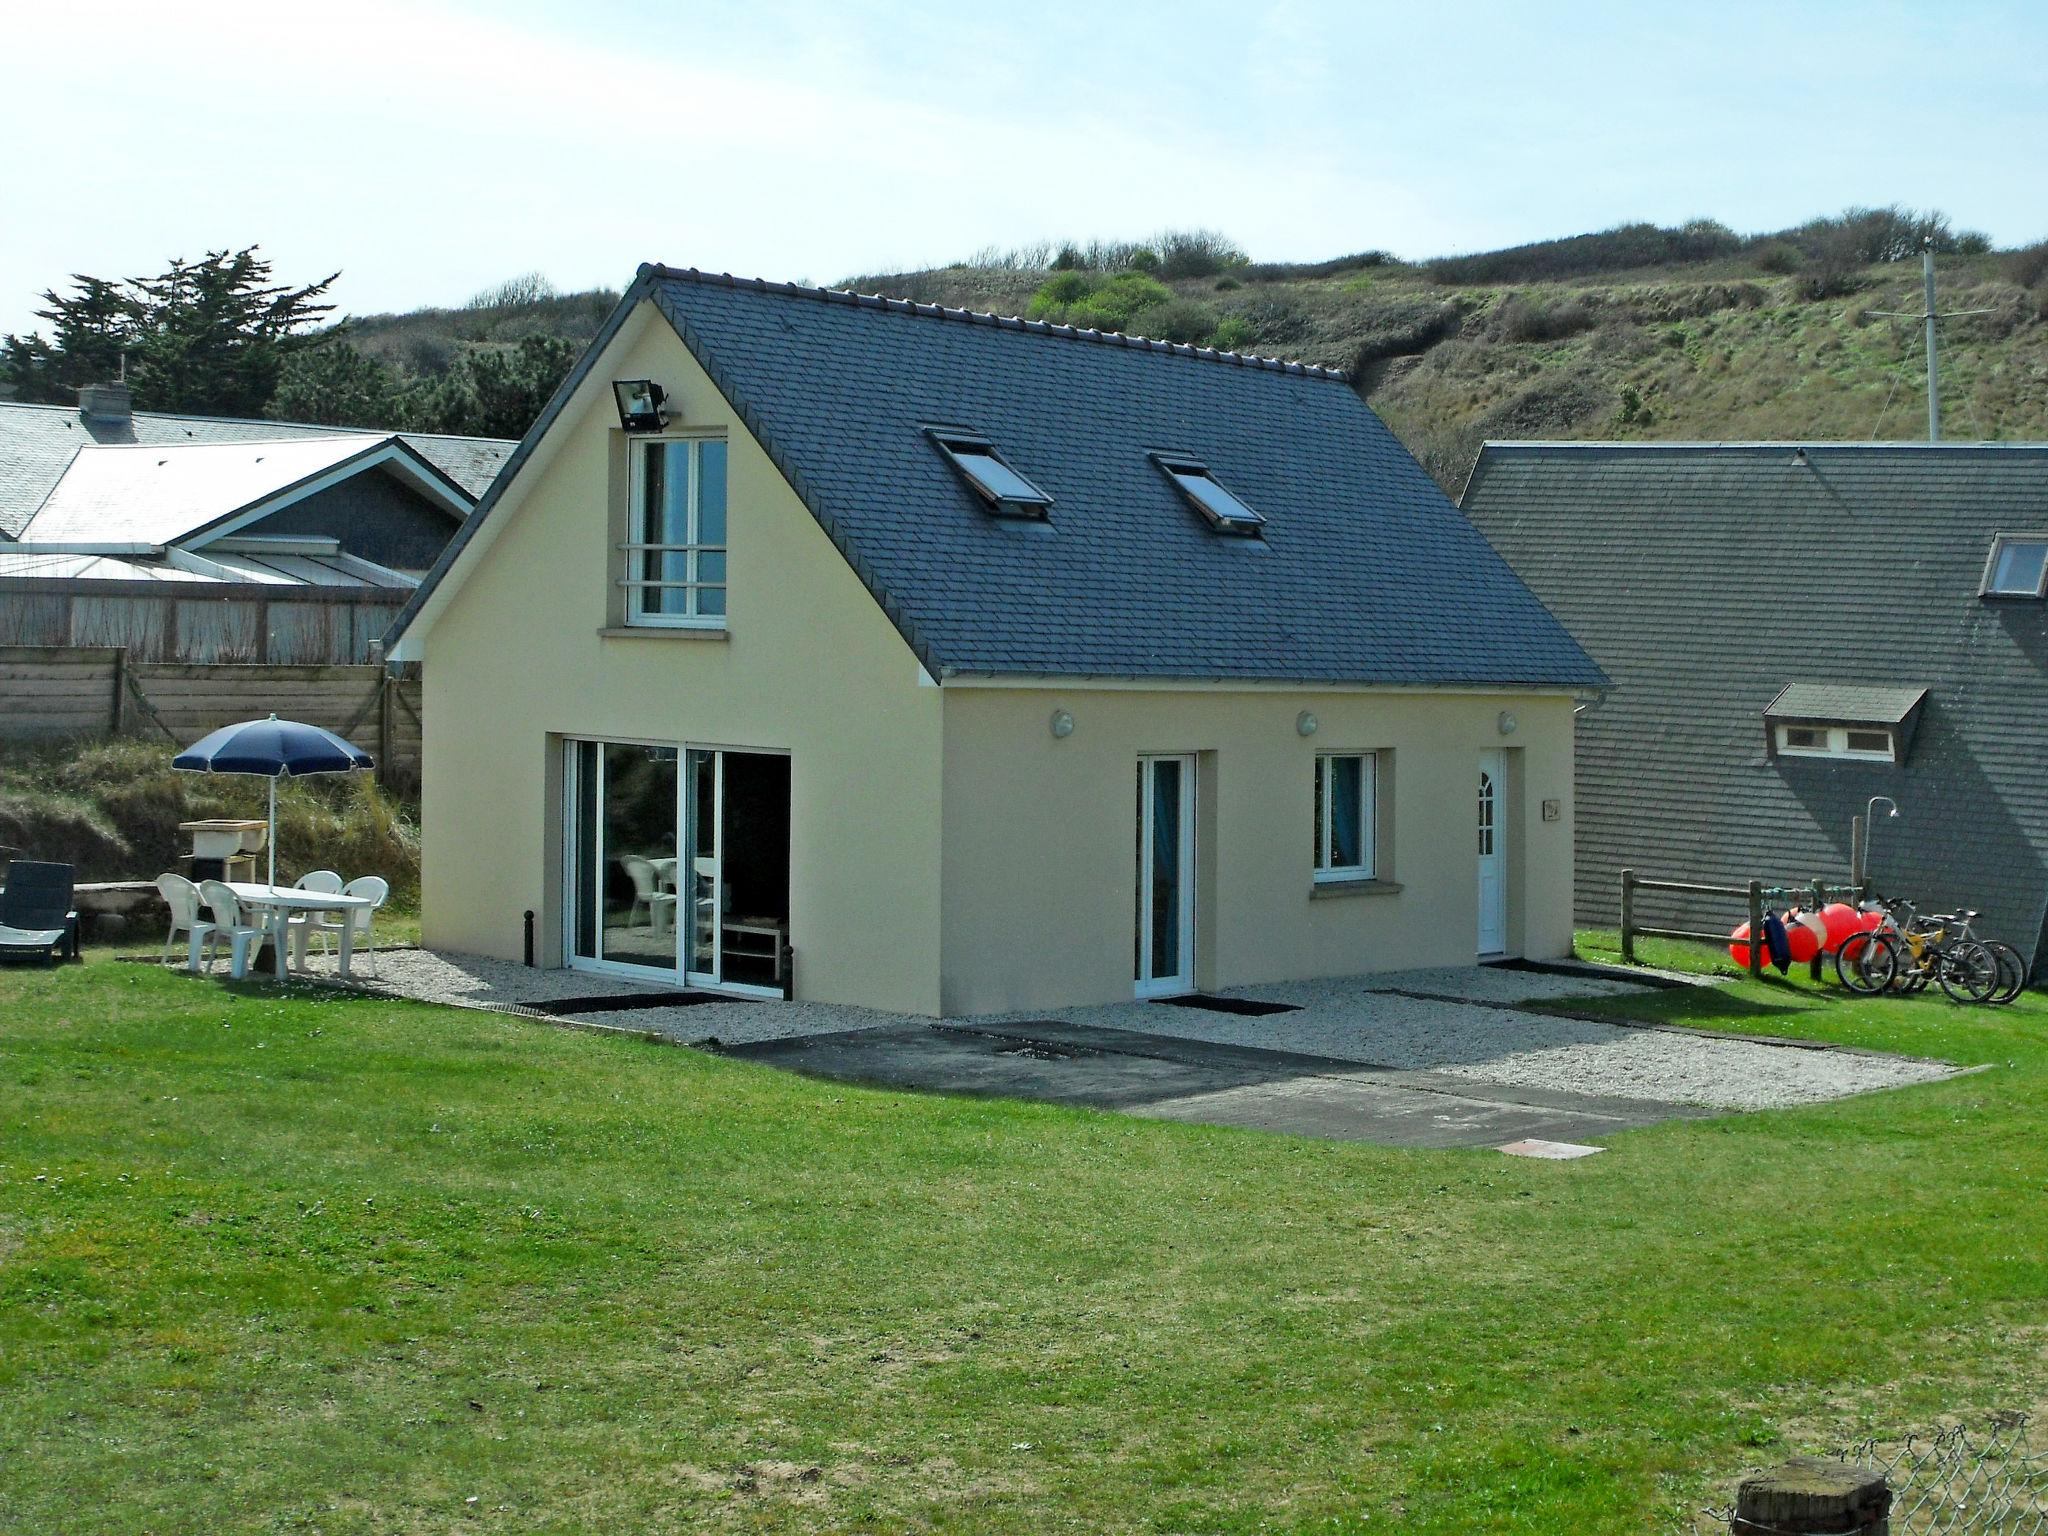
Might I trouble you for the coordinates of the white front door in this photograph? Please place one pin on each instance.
(1493, 854)
(1165, 960)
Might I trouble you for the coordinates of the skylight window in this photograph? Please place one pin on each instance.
(2018, 566)
(1007, 493)
(1223, 511)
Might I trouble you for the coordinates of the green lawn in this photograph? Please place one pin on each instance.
(287, 1262)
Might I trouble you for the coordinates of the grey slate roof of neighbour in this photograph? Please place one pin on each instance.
(1706, 577)
(37, 443)
(1848, 703)
(1366, 573)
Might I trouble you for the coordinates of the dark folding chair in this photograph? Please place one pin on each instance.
(36, 915)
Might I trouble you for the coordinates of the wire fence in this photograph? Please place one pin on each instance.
(1959, 1481)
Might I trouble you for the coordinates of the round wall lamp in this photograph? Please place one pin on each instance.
(1062, 724)
(1307, 723)
(1507, 722)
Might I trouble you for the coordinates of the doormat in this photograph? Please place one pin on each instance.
(561, 1007)
(1248, 1005)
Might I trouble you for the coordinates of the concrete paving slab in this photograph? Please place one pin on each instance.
(1167, 1078)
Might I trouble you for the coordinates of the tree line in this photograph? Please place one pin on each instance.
(220, 337)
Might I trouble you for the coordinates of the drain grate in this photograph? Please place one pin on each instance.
(1246, 1005)
(625, 1002)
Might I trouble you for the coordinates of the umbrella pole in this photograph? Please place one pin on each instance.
(273, 827)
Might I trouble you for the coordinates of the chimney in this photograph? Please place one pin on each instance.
(110, 404)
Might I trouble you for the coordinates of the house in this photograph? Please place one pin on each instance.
(195, 539)
(885, 654)
(1791, 630)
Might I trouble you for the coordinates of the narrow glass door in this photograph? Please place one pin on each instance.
(623, 866)
(1165, 960)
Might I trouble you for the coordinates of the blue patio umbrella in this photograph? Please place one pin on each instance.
(275, 749)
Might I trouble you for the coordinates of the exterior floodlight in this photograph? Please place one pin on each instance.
(1306, 722)
(640, 404)
(1062, 724)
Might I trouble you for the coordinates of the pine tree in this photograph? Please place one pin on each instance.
(91, 329)
(336, 385)
(215, 333)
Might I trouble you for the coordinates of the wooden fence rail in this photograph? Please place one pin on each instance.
(1753, 896)
(51, 692)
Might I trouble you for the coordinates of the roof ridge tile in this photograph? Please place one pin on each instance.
(658, 271)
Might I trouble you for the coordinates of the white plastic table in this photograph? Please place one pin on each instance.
(277, 903)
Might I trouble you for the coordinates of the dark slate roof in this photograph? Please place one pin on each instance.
(1366, 573)
(1844, 703)
(1704, 578)
(37, 443)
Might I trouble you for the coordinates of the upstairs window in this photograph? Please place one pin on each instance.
(675, 550)
(1207, 495)
(1345, 815)
(1868, 743)
(2018, 566)
(1007, 493)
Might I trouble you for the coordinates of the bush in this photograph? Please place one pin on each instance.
(1535, 320)
(1089, 300)
(1179, 320)
(1185, 253)
(2028, 265)
(515, 292)
(1233, 333)
(1973, 242)
(1780, 258)
(1611, 250)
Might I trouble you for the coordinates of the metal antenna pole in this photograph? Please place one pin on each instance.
(1933, 373)
(1929, 315)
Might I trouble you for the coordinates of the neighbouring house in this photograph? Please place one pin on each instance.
(1792, 629)
(194, 539)
(885, 654)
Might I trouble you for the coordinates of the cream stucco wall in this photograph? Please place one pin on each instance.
(1040, 835)
(811, 667)
(948, 854)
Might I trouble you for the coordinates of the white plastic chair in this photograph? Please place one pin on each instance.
(647, 892)
(327, 924)
(297, 926)
(325, 881)
(183, 898)
(227, 924)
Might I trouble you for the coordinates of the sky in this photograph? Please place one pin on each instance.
(427, 151)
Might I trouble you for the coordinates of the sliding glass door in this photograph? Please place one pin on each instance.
(677, 861)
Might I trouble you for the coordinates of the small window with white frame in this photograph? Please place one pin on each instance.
(1863, 743)
(675, 545)
(2017, 566)
(1346, 815)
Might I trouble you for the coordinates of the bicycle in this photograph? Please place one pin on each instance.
(1905, 956)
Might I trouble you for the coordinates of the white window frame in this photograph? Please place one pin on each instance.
(1327, 872)
(634, 549)
(1999, 543)
(1836, 738)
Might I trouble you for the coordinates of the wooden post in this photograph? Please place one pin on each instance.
(1756, 927)
(1813, 1494)
(1628, 917)
(120, 676)
(1820, 899)
(384, 727)
(1856, 851)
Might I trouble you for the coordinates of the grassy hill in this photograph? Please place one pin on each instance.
(1769, 339)
(1691, 332)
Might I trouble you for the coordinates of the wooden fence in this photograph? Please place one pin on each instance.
(1752, 895)
(49, 692)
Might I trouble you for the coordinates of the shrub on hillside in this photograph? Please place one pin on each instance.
(1093, 301)
(1781, 258)
(1185, 253)
(1180, 320)
(1610, 250)
(2028, 265)
(1526, 319)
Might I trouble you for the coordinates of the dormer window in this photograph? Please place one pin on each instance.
(1869, 723)
(2018, 566)
(1007, 493)
(1207, 495)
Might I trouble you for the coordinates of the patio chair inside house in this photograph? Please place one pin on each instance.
(36, 914)
(186, 905)
(648, 892)
(326, 926)
(243, 939)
